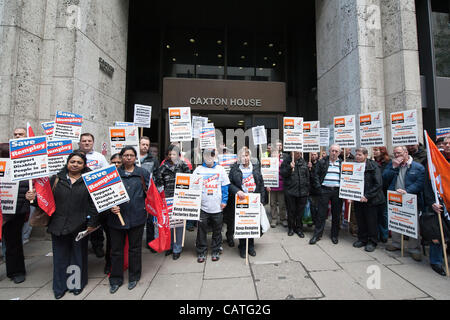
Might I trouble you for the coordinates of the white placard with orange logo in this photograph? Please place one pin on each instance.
(180, 127)
(311, 136)
(120, 137)
(292, 134)
(248, 216)
(270, 172)
(345, 131)
(402, 213)
(172, 223)
(371, 129)
(404, 128)
(8, 188)
(188, 197)
(352, 181)
(208, 137)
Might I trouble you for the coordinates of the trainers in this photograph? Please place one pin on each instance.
(215, 256)
(201, 258)
(370, 247)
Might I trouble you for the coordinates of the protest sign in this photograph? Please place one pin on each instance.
(293, 134)
(120, 137)
(442, 133)
(247, 216)
(311, 136)
(174, 223)
(259, 135)
(208, 137)
(180, 127)
(352, 181)
(371, 129)
(124, 124)
(29, 158)
(345, 131)
(142, 116)
(227, 160)
(67, 126)
(402, 213)
(58, 151)
(197, 124)
(8, 188)
(270, 172)
(324, 137)
(48, 128)
(106, 188)
(404, 128)
(187, 197)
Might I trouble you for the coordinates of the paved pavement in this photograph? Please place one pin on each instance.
(284, 268)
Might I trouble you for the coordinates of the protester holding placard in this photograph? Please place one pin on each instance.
(404, 175)
(366, 209)
(296, 177)
(134, 214)
(245, 177)
(381, 157)
(168, 172)
(277, 199)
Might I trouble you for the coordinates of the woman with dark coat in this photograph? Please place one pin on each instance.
(381, 157)
(245, 177)
(134, 214)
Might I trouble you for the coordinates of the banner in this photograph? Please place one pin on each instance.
(106, 188)
(259, 135)
(180, 126)
(371, 129)
(124, 124)
(8, 189)
(270, 172)
(311, 136)
(442, 133)
(404, 128)
(325, 137)
(248, 216)
(352, 181)
(345, 131)
(67, 126)
(292, 134)
(402, 213)
(187, 197)
(197, 124)
(58, 151)
(227, 160)
(173, 222)
(208, 137)
(49, 128)
(29, 158)
(142, 116)
(119, 137)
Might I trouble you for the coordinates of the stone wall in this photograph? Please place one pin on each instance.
(49, 60)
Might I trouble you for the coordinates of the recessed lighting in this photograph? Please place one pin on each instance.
(280, 53)
(242, 57)
(168, 46)
(274, 64)
(265, 58)
(220, 67)
(191, 40)
(219, 41)
(245, 43)
(261, 69)
(270, 45)
(173, 59)
(196, 54)
(240, 68)
(219, 56)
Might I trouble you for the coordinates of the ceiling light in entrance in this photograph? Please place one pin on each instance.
(245, 43)
(192, 40)
(242, 57)
(219, 41)
(173, 59)
(270, 45)
(168, 46)
(219, 56)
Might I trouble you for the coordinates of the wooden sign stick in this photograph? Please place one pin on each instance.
(246, 251)
(443, 246)
(184, 233)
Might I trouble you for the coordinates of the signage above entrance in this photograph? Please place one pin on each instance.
(231, 95)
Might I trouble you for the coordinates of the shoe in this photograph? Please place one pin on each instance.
(76, 292)
(59, 295)
(215, 256)
(300, 234)
(273, 224)
(25, 241)
(113, 288)
(18, 279)
(290, 232)
(99, 252)
(416, 256)
(390, 247)
(314, 239)
(359, 244)
(370, 247)
(438, 268)
(201, 258)
(230, 243)
(132, 285)
(168, 252)
(285, 224)
(176, 256)
(252, 252)
(334, 240)
(383, 240)
(242, 254)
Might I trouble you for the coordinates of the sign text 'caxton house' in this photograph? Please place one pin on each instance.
(225, 102)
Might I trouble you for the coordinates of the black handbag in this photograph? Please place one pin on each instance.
(429, 227)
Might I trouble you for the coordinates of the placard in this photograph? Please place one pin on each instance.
(29, 158)
(352, 181)
(142, 116)
(180, 126)
(248, 216)
(402, 213)
(325, 137)
(124, 124)
(292, 134)
(259, 135)
(197, 124)
(8, 189)
(227, 160)
(49, 128)
(58, 151)
(106, 188)
(67, 126)
(208, 137)
(442, 133)
(371, 129)
(345, 131)
(120, 137)
(311, 136)
(270, 172)
(404, 128)
(187, 197)
(173, 223)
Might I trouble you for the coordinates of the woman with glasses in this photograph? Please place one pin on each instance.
(134, 214)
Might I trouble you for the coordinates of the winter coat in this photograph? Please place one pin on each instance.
(373, 184)
(320, 171)
(297, 182)
(151, 164)
(168, 174)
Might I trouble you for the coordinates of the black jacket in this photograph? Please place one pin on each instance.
(320, 171)
(295, 183)
(133, 212)
(22, 206)
(73, 206)
(373, 184)
(420, 156)
(168, 174)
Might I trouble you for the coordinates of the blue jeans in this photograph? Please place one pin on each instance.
(436, 256)
(382, 218)
(176, 245)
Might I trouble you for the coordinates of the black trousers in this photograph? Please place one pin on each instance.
(215, 221)
(134, 254)
(366, 218)
(150, 229)
(97, 237)
(68, 252)
(336, 211)
(296, 209)
(12, 235)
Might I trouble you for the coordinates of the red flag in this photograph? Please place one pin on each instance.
(1, 221)
(44, 194)
(30, 131)
(155, 204)
(438, 168)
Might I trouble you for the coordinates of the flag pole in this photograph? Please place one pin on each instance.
(402, 245)
(184, 233)
(246, 251)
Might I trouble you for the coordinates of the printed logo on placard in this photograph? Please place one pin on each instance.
(347, 169)
(306, 127)
(395, 199)
(288, 123)
(339, 122)
(2, 168)
(242, 204)
(365, 120)
(183, 182)
(409, 203)
(398, 118)
(175, 114)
